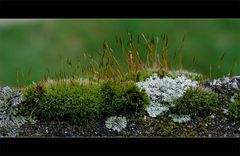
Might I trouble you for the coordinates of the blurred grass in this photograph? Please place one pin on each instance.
(41, 44)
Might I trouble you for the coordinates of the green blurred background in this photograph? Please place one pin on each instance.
(40, 44)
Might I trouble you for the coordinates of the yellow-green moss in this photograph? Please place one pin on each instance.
(125, 96)
(234, 110)
(196, 102)
(189, 132)
(80, 103)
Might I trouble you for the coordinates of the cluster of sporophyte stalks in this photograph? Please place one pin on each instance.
(130, 60)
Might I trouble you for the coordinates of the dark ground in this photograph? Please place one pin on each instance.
(213, 126)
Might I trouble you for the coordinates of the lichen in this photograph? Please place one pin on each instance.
(116, 123)
(180, 118)
(10, 120)
(162, 92)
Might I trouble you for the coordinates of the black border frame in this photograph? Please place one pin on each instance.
(121, 146)
(116, 9)
(120, 8)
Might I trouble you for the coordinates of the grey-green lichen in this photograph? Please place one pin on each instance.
(10, 99)
(116, 123)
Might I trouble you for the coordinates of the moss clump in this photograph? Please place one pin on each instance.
(64, 101)
(196, 102)
(33, 96)
(81, 103)
(144, 75)
(123, 97)
(234, 110)
(191, 75)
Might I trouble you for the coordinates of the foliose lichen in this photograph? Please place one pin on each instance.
(116, 123)
(10, 99)
(180, 118)
(162, 92)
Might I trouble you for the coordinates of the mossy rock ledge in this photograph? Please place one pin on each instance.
(174, 105)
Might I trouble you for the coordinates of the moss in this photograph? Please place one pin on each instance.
(168, 132)
(203, 128)
(196, 102)
(189, 132)
(142, 76)
(4, 131)
(33, 96)
(199, 78)
(126, 134)
(234, 110)
(64, 101)
(191, 75)
(123, 97)
(171, 129)
(81, 103)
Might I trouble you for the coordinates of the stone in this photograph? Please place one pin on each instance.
(235, 86)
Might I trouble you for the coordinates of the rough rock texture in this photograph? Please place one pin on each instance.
(225, 85)
(215, 125)
(226, 88)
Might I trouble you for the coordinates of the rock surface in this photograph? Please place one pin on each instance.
(225, 83)
(161, 92)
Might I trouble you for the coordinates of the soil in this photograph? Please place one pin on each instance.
(215, 125)
(141, 125)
